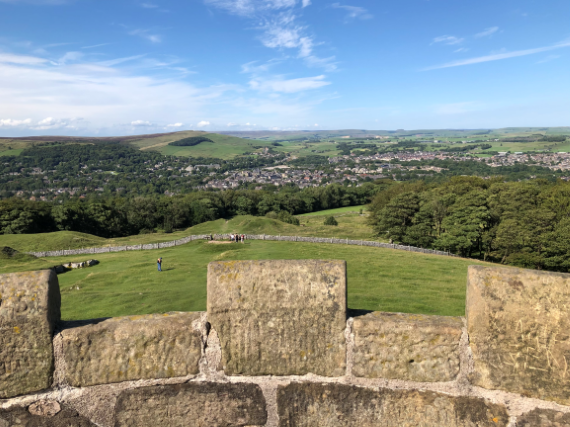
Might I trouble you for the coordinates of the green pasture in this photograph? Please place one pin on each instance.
(223, 147)
(159, 141)
(11, 152)
(336, 211)
(128, 283)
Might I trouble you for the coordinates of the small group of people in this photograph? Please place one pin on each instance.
(236, 238)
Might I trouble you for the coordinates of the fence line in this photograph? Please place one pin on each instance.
(183, 241)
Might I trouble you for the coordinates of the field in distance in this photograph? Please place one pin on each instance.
(227, 145)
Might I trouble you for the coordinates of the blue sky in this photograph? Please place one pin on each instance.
(114, 67)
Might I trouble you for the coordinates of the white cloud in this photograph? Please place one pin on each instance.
(449, 40)
(149, 6)
(13, 123)
(203, 123)
(252, 7)
(280, 26)
(316, 125)
(175, 125)
(461, 49)
(487, 32)
(21, 59)
(146, 34)
(288, 86)
(65, 123)
(141, 123)
(499, 56)
(107, 97)
(353, 12)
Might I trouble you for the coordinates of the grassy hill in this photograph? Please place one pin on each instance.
(127, 283)
(351, 226)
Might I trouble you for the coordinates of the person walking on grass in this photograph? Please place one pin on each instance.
(159, 264)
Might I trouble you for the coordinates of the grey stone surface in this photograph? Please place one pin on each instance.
(279, 317)
(132, 348)
(406, 346)
(29, 308)
(519, 331)
(339, 405)
(19, 416)
(543, 418)
(192, 404)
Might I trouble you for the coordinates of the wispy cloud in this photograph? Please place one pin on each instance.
(70, 57)
(149, 6)
(353, 12)
(96, 45)
(278, 84)
(21, 59)
(461, 49)
(280, 26)
(175, 125)
(499, 56)
(146, 34)
(112, 62)
(549, 58)
(449, 40)
(253, 7)
(487, 32)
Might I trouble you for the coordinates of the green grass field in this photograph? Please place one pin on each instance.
(223, 147)
(336, 211)
(127, 283)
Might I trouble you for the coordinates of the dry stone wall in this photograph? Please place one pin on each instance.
(154, 246)
(276, 349)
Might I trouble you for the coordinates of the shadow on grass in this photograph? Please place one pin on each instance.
(355, 312)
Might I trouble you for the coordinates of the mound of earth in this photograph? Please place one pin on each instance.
(9, 253)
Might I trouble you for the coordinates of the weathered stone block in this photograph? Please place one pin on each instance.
(192, 404)
(64, 417)
(132, 348)
(279, 317)
(406, 346)
(29, 308)
(519, 331)
(339, 405)
(544, 418)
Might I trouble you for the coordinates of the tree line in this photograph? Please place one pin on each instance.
(117, 216)
(525, 224)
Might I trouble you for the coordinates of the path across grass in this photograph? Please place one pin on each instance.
(128, 283)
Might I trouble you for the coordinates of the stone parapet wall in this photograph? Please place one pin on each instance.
(276, 348)
(154, 246)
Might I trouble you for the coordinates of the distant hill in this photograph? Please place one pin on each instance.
(299, 143)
